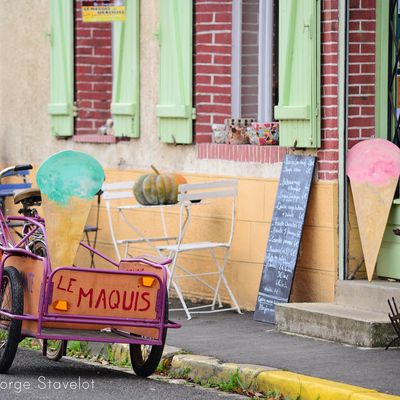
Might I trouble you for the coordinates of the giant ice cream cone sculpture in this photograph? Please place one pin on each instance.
(373, 167)
(68, 182)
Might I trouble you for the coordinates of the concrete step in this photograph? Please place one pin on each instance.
(335, 322)
(364, 295)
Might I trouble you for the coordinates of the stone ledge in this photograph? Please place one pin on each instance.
(336, 323)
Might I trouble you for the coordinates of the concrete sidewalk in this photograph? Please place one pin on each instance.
(294, 365)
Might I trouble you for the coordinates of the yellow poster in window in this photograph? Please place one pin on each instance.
(103, 11)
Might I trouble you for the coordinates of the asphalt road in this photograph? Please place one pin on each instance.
(237, 338)
(32, 377)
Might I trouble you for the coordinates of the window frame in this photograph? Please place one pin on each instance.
(265, 67)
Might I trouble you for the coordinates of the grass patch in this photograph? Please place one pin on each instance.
(124, 361)
(30, 343)
(233, 384)
(78, 349)
(182, 373)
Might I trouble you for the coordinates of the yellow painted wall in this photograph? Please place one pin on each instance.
(317, 265)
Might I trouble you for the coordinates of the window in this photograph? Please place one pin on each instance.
(65, 89)
(175, 103)
(297, 105)
(254, 77)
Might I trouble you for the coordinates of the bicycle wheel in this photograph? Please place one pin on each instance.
(38, 247)
(12, 300)
(145, 358)
(55, 349)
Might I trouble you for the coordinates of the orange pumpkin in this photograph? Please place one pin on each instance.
(153, 189)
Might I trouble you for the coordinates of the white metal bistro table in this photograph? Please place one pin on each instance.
(141, 236)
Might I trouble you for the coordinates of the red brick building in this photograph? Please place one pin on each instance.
(317, 67)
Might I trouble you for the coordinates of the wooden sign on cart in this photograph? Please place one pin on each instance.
(285, 235)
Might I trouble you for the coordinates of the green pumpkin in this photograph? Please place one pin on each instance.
(154, 189)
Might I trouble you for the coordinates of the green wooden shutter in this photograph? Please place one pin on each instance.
(61, 103)
(174, 108)
(298, 110)
(125, 99)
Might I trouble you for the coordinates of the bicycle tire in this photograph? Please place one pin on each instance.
(38, 247)
(12, 329)
(142, 366)
(57, 353)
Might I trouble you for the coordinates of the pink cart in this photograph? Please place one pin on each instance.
(125, 303)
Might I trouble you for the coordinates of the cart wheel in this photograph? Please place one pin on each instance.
(12, 300)
(55, 349)
(145, 358)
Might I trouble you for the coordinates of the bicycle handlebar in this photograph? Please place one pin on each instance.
(14, 168)
(22, 167)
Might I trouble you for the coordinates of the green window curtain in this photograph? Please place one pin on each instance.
(61, 103)
(174, 109)
(298, 109)
(125, 98)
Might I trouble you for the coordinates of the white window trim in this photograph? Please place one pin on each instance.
(236, 58)
(265, 49)
(265, 66)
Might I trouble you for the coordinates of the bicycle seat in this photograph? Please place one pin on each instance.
(29, 196)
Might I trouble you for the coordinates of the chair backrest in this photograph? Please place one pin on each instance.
(207, 190)
(196, 192)
(116, 191)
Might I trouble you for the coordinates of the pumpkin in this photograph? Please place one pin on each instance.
(153, 189)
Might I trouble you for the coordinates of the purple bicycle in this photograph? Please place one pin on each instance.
(125, 303)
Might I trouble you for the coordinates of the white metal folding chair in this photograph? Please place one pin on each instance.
(206, 193)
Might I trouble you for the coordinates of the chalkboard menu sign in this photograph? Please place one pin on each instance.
(285, 234)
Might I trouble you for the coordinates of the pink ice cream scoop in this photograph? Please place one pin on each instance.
(375, 161)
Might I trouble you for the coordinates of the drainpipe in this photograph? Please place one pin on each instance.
(342, 137)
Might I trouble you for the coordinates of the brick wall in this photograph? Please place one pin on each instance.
(212, 85)
(361, 79)
(361, 122)
(212, 40)
(328, 154)
(93, 73)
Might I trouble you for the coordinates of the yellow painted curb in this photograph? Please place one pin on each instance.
(309, 388)
(374, 396)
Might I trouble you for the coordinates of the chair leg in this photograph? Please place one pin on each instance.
(171, 281)
(92, 265)
(221, 270)
(392, 342)
(180, 295)
(231, 295)
(171, 268)
(217, 286)
(197, 278)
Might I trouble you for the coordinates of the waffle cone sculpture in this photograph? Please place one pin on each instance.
(373, 167)
(68, 181)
